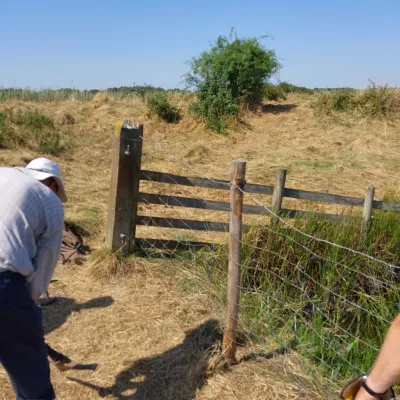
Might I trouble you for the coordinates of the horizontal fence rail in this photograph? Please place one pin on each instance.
(164, 244)
(183, 224)
(191, 202)
(194, 225)
(163, 177)
(125, 195)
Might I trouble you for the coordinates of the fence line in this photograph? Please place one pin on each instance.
(163, 177)
(277, 214)
(316, 238)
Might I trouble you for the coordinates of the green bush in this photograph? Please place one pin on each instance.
(31, 129)
(30, 119)
(273, 92)
(289, 88)
(379, 102)
(159, 104)
(230, 75)
(334, 101)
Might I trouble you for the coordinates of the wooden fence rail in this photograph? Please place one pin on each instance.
(163, 177)
(125, 196)
(191, 202)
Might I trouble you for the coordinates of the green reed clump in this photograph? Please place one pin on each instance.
(33, 130)
(334, 304)
(375, 102)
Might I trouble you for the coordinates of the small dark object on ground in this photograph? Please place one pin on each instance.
(63, 363)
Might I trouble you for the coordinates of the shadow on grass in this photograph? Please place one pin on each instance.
(176, 374)
(57, 313)
(291, 345)
(277, 108)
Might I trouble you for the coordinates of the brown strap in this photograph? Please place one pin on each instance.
(370, 391)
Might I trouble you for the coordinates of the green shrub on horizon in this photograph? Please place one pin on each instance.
(375, 102)
(290, 88)
(229, 76)
(273, 92)
(159, 104)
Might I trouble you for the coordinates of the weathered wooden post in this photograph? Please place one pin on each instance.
(277, 196)
(124, 188)
(368, 208)
(235, 257)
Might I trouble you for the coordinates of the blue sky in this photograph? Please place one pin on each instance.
(97, 44)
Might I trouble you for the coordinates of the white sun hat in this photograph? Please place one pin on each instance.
(43, 168)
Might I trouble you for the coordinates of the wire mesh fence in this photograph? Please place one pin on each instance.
(322, 288)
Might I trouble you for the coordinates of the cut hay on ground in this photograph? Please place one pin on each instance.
(153, 342)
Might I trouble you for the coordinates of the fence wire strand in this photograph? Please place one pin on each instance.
(215, 260)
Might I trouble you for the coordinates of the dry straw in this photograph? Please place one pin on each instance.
(131, 315)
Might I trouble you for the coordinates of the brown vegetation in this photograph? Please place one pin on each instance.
(139, 339)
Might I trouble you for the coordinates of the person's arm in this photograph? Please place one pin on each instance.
(48, 251)
(386, 369)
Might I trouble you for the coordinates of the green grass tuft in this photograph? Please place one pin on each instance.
(376, 102)
(31, 129)
(159, 104)
(336, 314)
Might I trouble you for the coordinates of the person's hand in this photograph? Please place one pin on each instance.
(355, 391)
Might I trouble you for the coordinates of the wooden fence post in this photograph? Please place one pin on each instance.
(368, 208)
(124, 188)
(235, 257)
(277, 196)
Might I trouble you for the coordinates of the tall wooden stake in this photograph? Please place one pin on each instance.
(124, 188)
(368, 207)
(235, 257)
(277, 197)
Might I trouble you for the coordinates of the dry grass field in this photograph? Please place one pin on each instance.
(154, 338)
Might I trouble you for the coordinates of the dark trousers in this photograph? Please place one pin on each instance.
(23, 352)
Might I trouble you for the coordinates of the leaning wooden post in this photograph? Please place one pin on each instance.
(124, 189)
(235, 257)
(277, 196)
(368, 208)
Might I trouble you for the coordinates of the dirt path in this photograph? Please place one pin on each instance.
(152, 341)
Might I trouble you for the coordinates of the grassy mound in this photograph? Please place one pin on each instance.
(21, 127)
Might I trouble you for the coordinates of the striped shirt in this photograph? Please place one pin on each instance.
(31, 226)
